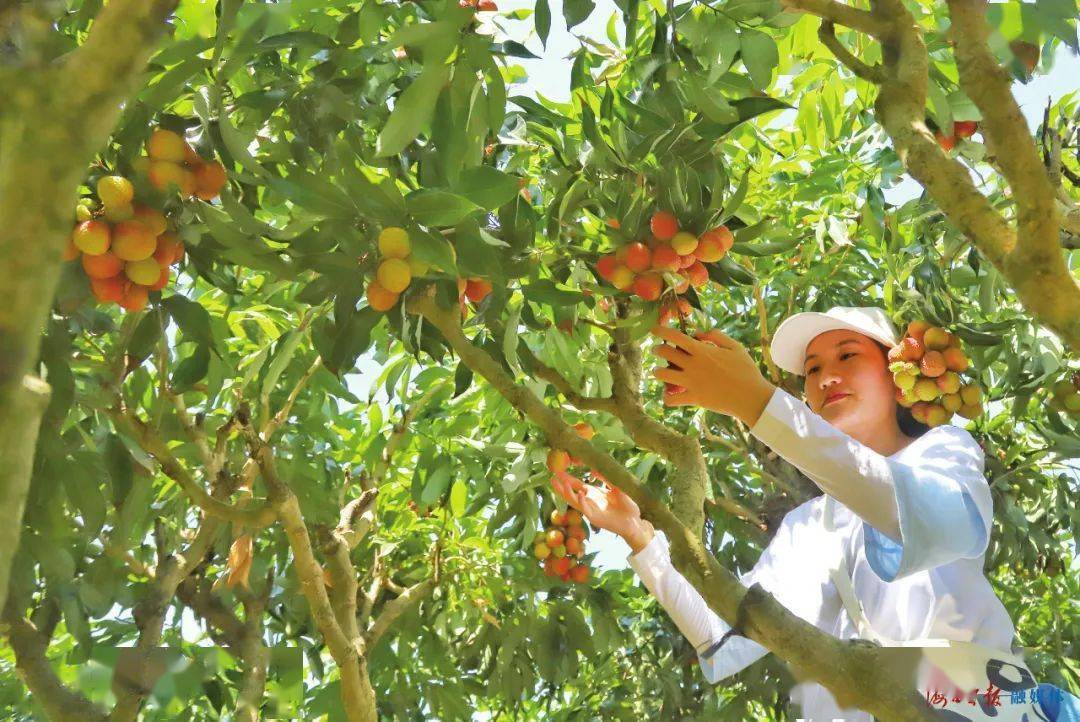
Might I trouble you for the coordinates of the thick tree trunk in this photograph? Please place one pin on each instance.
(20, 416)
(357, 694)
(53, 121)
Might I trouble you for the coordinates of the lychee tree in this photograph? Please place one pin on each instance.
(208, 454)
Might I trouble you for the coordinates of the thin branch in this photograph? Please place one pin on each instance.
(255, 518)
(397, 606)
(763, 329)
(559, 382)
(841, 14)
(272, 425)
(870, 73)
(195, 432)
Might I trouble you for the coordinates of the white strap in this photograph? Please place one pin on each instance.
(841, 578)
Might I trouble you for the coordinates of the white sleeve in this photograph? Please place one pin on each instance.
(702, 627)
(930, 509)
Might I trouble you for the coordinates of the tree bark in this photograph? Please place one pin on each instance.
(857, 674)
(20, 416)
(55, 118)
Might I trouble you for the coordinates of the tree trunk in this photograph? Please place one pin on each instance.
(357, 694)
(54, 118)
(21, 408)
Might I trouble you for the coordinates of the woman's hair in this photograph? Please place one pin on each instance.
(907, 423)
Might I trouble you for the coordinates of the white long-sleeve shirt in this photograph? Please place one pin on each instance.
(928, 583)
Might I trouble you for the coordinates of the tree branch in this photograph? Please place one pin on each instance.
(355, 520)
(841, 14)
(357, 695)
(401, 603)
(852, 672)
(134, 681)
(559, 382)
(60, 702)
(870, 73)
(254, 518)
(1035, 266)
(282, 415)
(308, 569)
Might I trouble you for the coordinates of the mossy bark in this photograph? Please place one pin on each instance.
(55, 118)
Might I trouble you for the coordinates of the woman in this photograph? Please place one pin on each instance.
(891, 552)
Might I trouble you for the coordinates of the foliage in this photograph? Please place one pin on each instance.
(729, 113)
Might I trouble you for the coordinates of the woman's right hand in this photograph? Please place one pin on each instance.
(606, 507)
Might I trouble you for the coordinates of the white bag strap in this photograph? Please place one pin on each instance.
(841, 578)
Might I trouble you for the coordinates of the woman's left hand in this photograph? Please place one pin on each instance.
(715, 371)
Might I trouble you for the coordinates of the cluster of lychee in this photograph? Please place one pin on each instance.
(927, 365)
(126, 247)
(1066, 395)
(398, 267)
(561, 547)
(672, 256)
(170, 161)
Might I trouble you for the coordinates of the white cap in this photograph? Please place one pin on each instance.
(796, 332)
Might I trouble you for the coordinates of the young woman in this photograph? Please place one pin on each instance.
(892, 551)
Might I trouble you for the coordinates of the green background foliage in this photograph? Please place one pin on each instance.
(329, 136)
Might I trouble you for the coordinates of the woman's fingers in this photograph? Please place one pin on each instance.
(677, 338)
(672, 354)
(679, 398)
(671, 376)
(564, 491)
(570, 488)
(718, 338)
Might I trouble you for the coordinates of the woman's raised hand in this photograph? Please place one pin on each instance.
(606, 507)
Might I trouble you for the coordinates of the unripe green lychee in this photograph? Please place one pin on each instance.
(904, 381)
(926, 390)
(971, 394)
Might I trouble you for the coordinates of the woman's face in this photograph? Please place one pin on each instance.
(848, 382)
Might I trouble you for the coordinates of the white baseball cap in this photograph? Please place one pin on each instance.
(789, 343)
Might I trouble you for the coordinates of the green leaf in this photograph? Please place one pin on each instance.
(546, 292)
(84, 491)
(459, 495)
(510, 339)
(353, 339)
(759, 54)
(434, 207)
(487, 187)
(192, 369)
(191, 317)
(577, 11)
(118, 464)
(543, 20)
(135, 511)
(412, 111)
(463, 377)
(144, 338)
(433, 248)
(437, 481)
